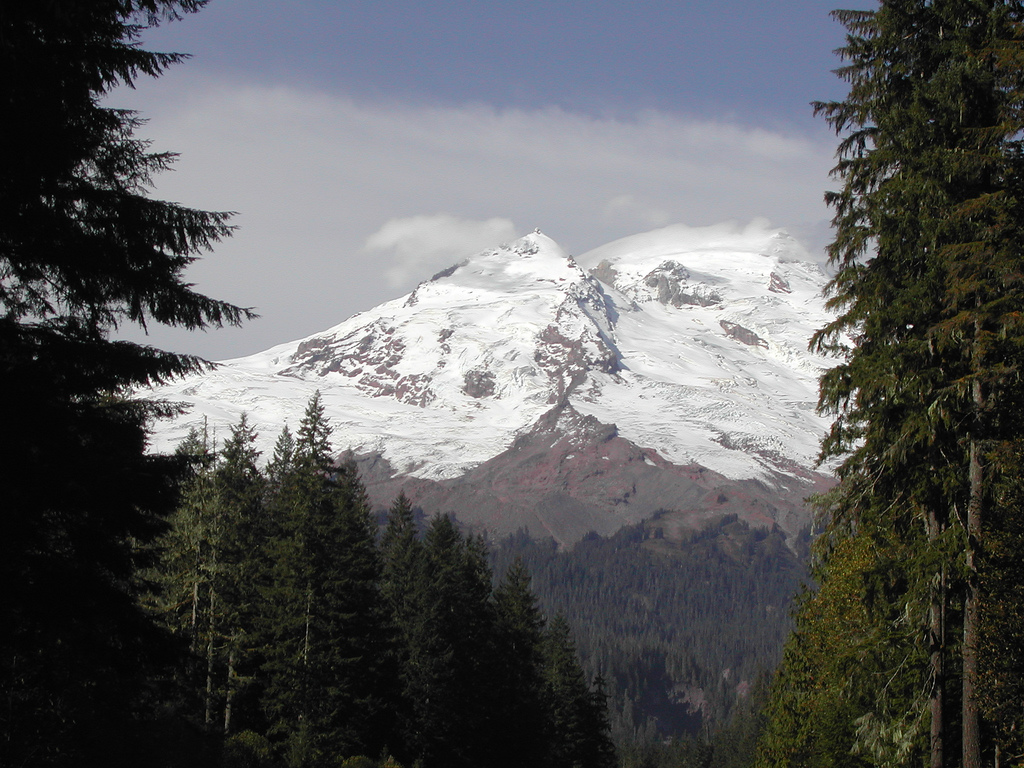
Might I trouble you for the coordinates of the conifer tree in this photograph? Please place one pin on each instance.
(239, 486)
(83, 249)
(184, 569)
(323, 630)
(579, 721)
(929, 290)
(841, 644)
(1002, 620)
(402, 594)
(523, 733)
(209, 560)
(280, 464)
(452, 650)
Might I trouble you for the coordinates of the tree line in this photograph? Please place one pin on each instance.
(311, 641)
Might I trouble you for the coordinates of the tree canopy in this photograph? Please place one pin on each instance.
(929, 291)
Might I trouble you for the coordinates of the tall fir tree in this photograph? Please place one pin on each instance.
(186, 574)
(1001, 638)
(451, 651)
(928, 290)
(209, 563)
(578, 716)
(323, 633)
(402, 579)
(83, 249)
(239, 486)
(523, 734)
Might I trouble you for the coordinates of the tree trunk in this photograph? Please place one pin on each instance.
(209, 663)
(229, 692)
(194, 629)
(972, 601)
(937, 620)
(305, 656)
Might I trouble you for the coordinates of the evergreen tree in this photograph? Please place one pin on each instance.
(184, 567)
(188, 575)
(280, 464)
(522, 728)
(323, 633)
(826, 680)
(451, 652)
(239, 486)
(402, 595)
(928, 289)
(1002, 620)
(578, 717)
(82, 250)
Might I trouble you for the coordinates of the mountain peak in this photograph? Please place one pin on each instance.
(689, 345)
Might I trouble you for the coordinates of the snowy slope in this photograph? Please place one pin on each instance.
(692, 342)
(717, 367)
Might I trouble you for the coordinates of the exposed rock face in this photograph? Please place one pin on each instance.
(519, 389)
(741, 334)
(668, 283)
(479, 383)
(571, 474)
(778, 284)
(370, 356)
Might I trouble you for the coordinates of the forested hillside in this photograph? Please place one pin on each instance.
(681, 630)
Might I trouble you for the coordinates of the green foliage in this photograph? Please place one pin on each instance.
(819, 690)
(451, 650)
(578, 722)
(519, 673)
(929, 291)
(1002, 625)
(239, 487)
(248, 750)
(317, 646)
(402, 577)
(322, 628)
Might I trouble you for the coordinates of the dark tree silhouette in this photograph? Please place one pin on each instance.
(83, 249)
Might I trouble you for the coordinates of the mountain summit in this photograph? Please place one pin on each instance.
(523, 388)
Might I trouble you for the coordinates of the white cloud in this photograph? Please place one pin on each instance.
(420, 245)
(339, 199)
(628, 208)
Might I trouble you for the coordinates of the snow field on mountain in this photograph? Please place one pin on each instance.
(446, 377)
(691, 391)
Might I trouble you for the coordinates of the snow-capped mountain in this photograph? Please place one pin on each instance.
(522, 387)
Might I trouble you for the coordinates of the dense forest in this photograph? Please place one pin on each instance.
(681, 631)
(313, 637)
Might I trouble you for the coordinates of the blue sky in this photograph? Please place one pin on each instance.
(365, 145)
(757, 60)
